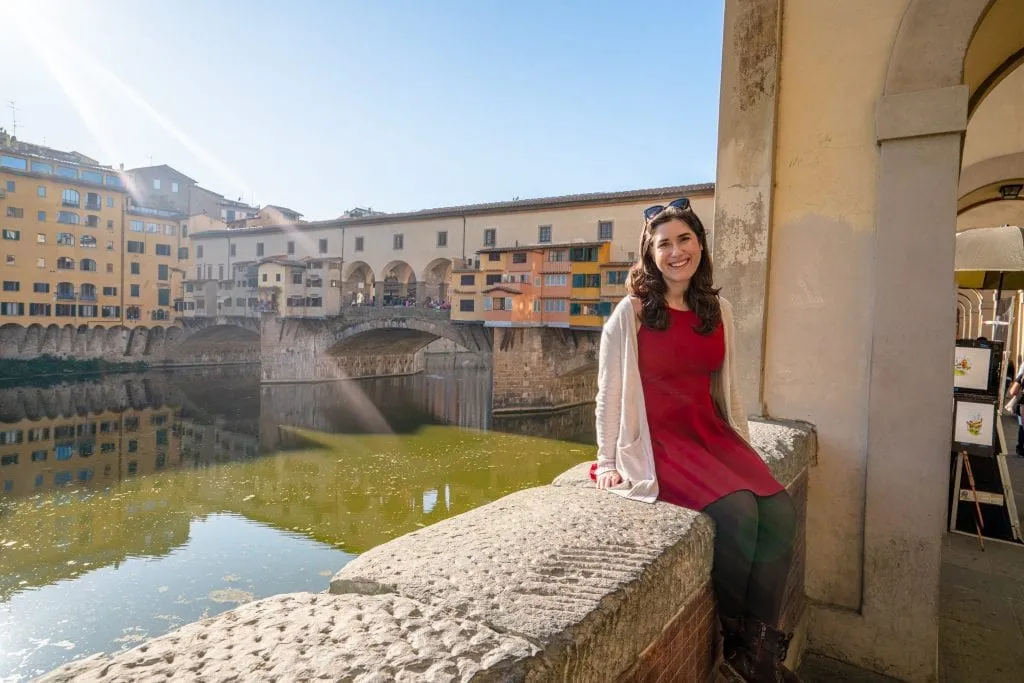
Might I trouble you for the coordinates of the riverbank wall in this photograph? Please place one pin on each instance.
(557, 582)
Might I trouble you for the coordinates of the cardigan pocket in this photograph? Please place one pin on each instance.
(631, 460)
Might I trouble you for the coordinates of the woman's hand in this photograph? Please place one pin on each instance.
(607, 480)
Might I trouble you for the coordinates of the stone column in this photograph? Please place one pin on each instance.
(421, 295)
(378, 293)
(743, 193)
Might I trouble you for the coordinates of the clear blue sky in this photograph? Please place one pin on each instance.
(395, 104)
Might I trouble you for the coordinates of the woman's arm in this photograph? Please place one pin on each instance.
(608, 411)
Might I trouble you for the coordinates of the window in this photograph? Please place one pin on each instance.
(583, 254)
(110, 311)
(135, 247)
(617, 277)
(110, 245)
(132, 313)
(174, 187)
(110, 267)
(110, 225)
(156, 183)
(163, 250)
(314, 301)
(70, 197)
(14, 212)
(544, 233)
(557, 256)
(39, 309)
(277, 277)
(467, 280)
(88, 311)
(170, 230)
(291, 247)
(586, 280)
(519, 257)
(183, 253)
(12, 286)
(398, 241)
(264, 277)
(490, 237)
(359, 244)
(10, 186)
(9, 460)
(296, 278)
(136, 226)
(41, 287)
(492, 279)
(87, 241)
(466, 305)
(41, 262)
(41, 167)
(555, 280)
(41, 216)
(41, 191)
(494, 256)
(41, 238)
(259, 248)
(110, 291)
(231, 250)
(554, 306)
(92, 221)
(113, 181)
(134, 290)
(163, 297)
(12, 308)
(92, 177)
(162, 272)
(65, 263)
(184, 231)
(65, 290)
(153, 228)
(323, 245)
(13, 235)
(88, 264)
(68, 218)
(136, 269)
(13, 162)
(110, 204)
(442, 238)
(199, 251)
(65, 239)
(93, 201)
(87, 292)
(67, 172)
(604, 230)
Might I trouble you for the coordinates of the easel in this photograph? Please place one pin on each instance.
(991, 396)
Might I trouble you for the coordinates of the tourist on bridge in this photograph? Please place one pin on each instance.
(670, 427)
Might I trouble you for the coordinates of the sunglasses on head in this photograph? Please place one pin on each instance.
(682, 203)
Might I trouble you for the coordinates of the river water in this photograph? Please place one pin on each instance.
(133, 504)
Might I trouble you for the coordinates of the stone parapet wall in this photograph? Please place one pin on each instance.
(541, 368)
(558, 582)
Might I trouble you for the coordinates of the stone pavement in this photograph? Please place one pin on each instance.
(981, 608)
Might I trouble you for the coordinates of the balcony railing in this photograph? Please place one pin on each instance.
(66, 296)
(68, 202)
(95, 206)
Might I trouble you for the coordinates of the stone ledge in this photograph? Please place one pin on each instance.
(556, 582)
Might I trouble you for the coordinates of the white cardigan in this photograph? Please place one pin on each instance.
(623, 436)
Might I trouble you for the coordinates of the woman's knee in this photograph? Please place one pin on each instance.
(738, 510)
(778, 514)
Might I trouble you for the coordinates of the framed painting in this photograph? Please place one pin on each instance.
(974, 425)
(976, 366)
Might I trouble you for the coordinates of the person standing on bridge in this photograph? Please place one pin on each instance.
(670, 427)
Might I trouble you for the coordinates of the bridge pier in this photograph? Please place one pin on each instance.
(543, 368)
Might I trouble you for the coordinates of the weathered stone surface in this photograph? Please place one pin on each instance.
(304, 636)
(587, 576)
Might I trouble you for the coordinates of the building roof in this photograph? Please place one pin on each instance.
(15, 145)
(163, 168)
(283, 261)
(500, 288)
(283, 209)
(563, 201)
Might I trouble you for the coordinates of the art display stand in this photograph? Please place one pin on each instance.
(981, 496)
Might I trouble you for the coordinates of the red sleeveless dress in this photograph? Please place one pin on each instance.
(698, 457)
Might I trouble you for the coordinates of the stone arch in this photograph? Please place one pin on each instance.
(399, 336)
(33, 342)
(980, 182)
(437, 276)
(50, 344)
(397, 282)
(80, 345)
(12, 338)
(961, 319)
(67, 339)
(97, 337)
(358, 283)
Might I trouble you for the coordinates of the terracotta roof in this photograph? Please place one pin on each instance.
(500, 288)
(563, 201)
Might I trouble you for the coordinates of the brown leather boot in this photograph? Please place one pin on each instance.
(738, 664)
(769, 647)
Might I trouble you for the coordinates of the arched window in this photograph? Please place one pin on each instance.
(88, 264)
(65, 263)
(88, 291)
(87, 241)
(70, 197)
(65, 290)
(68, 218)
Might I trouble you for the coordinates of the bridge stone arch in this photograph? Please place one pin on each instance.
(437, 276)
(397, 280)
(359, 280)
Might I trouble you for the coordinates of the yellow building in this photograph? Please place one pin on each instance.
(155, 258)
(61, 240)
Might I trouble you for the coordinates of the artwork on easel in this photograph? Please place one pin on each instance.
(971, 367)
(974, 423)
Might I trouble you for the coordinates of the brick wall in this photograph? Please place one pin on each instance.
(540, 368)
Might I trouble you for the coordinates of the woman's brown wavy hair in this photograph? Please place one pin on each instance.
(647, 283)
